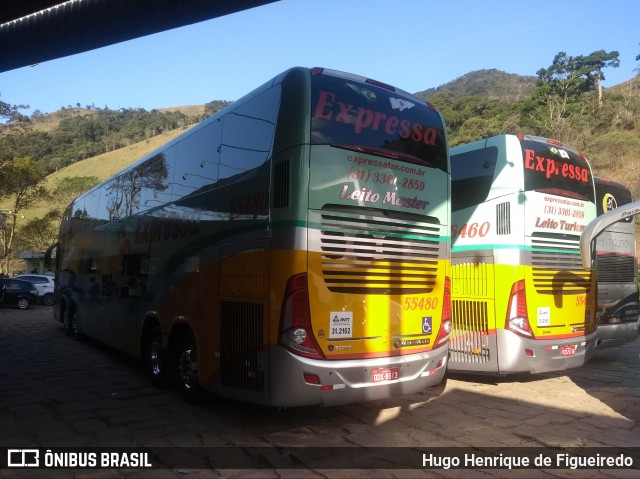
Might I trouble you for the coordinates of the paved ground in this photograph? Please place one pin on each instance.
(57, 392)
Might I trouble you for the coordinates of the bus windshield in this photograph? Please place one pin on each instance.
(372, 119)
(556, 170)
(611, 195)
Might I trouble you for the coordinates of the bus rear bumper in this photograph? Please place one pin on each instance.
(351, 380)
(517, 354)
(613, 335)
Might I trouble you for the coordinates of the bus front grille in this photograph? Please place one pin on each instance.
(379, 252)
(615, 268)
(556, 265)
(469, 340)
(241, 360)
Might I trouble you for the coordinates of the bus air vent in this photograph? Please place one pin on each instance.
(615, 268)
(281, 185)
(556, 265)
(367, 250)
(503, 218)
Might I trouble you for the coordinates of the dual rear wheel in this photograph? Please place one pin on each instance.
(176, 365)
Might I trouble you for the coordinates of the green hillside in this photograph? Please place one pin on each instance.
(96, 143)
(102, 166)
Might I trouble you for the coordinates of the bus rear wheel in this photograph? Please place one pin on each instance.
(186, 367)
(66, 325)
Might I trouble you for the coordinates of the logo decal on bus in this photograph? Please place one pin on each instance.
(363, 119)
(399, 104)
(556, 151)
(609, 202)
(552, 167)
(403, 343)
(368, 94)
(427, 325)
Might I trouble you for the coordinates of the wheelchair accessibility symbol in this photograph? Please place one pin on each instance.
(426, 325)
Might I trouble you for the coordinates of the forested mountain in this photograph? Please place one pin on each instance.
(563, 102)
(491, 84)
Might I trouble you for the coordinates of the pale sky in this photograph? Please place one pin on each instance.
(411, 44)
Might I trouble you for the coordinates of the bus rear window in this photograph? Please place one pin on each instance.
(552, 168)
(367, 118)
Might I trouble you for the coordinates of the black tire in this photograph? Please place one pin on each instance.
(156, 358)
(47, 299)
(74, 330)
(185, 360)
(66, 326)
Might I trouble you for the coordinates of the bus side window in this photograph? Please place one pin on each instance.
(197, 158)
(472, 176)
(136, 271)
(241, 152)
(152, 183)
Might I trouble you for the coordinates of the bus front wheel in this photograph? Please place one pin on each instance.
(186, 363)
(155, 357)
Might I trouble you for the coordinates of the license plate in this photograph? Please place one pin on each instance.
(385, 374)
(568, 350)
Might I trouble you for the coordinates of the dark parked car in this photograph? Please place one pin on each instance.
(44, 283)
(17, 292)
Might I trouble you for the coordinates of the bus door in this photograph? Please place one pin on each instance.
(472, 344)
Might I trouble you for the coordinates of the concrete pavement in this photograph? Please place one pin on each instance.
(56, 392)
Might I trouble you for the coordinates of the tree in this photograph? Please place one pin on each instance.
(39, 233)
(11, 114)
(19, 180)
(591, 67)
(562, 85)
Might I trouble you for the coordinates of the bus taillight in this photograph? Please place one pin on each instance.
(517, 317)
(445, 324)
(296, 333)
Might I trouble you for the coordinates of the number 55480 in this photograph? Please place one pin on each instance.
(420, 303)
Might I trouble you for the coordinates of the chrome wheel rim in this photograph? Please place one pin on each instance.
(188, 367)
(155, 354)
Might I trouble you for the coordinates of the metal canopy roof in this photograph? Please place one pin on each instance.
(33, 31)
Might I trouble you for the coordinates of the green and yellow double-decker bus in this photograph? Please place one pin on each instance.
(521, 299)
(292, 249)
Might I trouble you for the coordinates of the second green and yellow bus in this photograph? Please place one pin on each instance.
(521, 299)
(292, 249)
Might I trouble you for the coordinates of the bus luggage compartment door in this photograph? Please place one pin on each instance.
(244, 306)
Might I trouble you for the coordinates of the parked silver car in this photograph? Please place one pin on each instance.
(44, 283)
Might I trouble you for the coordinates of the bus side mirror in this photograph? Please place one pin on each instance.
(49, 254)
